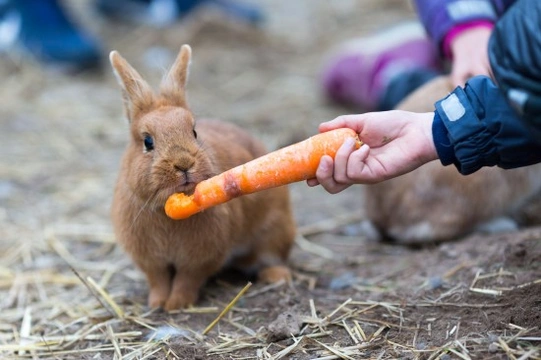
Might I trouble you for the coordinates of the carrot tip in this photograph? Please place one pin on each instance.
(180, 206)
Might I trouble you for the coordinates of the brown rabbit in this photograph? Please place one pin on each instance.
(436, 203)
(170, 152)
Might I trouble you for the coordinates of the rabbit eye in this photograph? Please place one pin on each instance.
(195, 134)
(149, 143)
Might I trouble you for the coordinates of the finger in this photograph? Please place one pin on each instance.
(325, 178)
(354, 122)
(324, 172)
(341, 161)
(356, 166)
(335, 123)
(312, 182)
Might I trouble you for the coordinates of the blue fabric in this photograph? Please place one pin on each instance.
(250, 13)
(137, 10)
(515, 57)
(489, 132)
(49, 35)
(485, 124)
(402, 85)
(445, 150)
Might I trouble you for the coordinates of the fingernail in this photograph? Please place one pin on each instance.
(323, 165)
(349, 142)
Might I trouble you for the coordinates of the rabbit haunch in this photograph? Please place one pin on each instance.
(170, 152)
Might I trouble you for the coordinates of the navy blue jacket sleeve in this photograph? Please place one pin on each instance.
(515, 58)
(487, 125)
(475, 127)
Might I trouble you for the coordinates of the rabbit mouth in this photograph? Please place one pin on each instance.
(187, 188)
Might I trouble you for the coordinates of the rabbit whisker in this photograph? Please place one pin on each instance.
(143, 207)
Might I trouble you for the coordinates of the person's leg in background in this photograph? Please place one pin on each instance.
(161, 13)
(377, 72)
(46, 31)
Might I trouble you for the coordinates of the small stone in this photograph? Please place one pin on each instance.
(493, 347)
(435, 282)
(285, 325)
(343, 281)
(449, 251)
(168, 331)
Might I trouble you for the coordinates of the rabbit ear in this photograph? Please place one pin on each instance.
(173, 86)
(138, 95)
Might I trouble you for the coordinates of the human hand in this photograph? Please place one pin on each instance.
(394, 143)
(470, 54)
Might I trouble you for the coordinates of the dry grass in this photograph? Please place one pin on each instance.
(74, 309)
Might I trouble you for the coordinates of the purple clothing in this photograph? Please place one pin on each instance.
(439, 17)
(458, 29)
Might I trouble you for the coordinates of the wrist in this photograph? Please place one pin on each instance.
(429, 151)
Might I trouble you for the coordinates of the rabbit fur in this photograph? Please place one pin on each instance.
(170, 152)
(436, 203)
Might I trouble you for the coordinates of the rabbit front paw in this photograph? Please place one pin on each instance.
(180, 301)
(157, 298)
(274, 274)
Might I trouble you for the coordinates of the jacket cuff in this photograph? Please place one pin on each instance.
(456, 13)
(467, 134)
(444, 148)
(459, 29)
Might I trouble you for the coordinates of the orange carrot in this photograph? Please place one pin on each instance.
(290, 164)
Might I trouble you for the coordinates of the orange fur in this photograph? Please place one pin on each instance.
(436, 203)
(179, 256)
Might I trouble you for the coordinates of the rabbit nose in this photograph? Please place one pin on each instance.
(183, 169)
(183, 164)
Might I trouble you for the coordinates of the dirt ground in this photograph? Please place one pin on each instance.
(67, 291)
